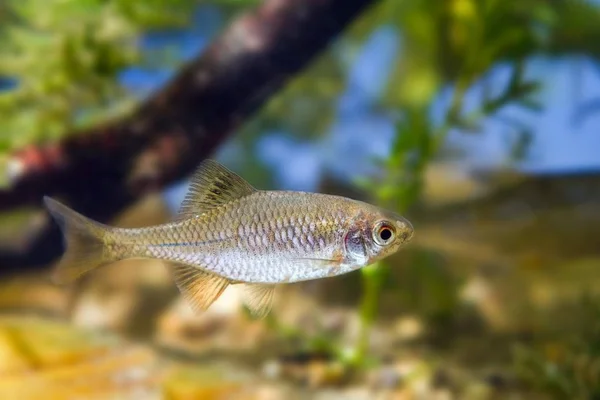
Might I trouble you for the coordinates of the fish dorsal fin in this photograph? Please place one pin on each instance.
(199, 288)
(212, 185)
(258, 298)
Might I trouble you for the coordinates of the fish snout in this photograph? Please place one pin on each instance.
(405, 229)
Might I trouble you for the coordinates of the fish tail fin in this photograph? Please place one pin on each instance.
(84, 241)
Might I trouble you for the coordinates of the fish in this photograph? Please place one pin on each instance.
(229, 233)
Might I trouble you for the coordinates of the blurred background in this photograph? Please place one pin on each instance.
(477, 119)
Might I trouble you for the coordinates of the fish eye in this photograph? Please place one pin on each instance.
(383, 233)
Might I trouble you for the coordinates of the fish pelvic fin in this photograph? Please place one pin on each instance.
(84, 241)
(198, 287)
(258, 298)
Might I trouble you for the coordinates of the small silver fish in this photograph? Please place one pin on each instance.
(228, 232)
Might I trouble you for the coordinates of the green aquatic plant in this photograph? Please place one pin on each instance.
(479, 42)
(417, 144)
(85, 46)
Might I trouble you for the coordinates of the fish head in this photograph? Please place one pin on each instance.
(375, 234)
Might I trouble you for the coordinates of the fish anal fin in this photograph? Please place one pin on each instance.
(212, 185)
(258, 298)
(198, 287)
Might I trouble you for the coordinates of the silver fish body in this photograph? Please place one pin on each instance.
(229, 232)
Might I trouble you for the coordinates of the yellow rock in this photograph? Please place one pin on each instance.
(57, 361)
(51, 343)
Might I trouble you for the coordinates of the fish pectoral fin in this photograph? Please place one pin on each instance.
(325, 262)
(320, 262)
(331, 266)
(212, 185)
(198, 287)
(258, 298)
